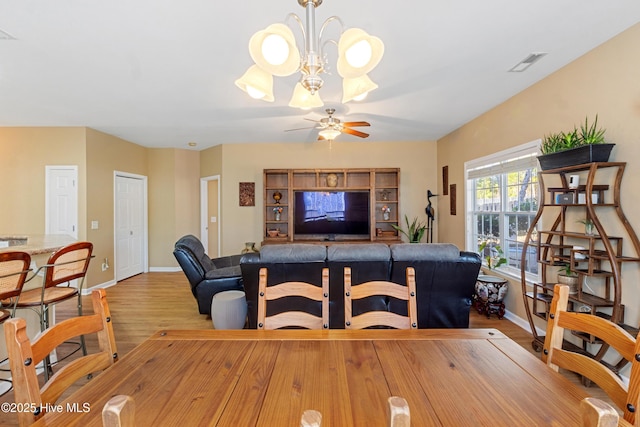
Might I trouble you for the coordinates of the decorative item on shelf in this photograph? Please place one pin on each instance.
(273, 232)
(575, 147)
(379, 232)
(332, 180)
(386, 212)
(567, 277)
(492, 254)
(277, 211)
(277, 196)
(384, 195)
(249, 247)
(574, 181)
(414, 231)
(589, 226)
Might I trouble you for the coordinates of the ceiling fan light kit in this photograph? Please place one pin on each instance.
(331, 128)
(275, 52)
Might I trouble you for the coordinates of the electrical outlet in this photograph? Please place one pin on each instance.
(104, 266)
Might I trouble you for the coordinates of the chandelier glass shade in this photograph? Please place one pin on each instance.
(275, 53)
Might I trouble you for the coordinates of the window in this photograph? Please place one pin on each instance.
(502, 201)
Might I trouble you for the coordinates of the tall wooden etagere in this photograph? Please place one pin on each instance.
(596, 257)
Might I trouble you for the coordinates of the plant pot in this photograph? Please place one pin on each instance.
(576, 156)
(571, 281)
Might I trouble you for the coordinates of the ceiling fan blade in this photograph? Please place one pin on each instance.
(288, 130)
(312, 120)
(352, 124)
(355, 132)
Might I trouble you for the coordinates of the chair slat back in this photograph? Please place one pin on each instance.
(119, 411)
(14, 267)
(293, 318)
(24, 355)
(399, 414)
(378, 287)
(597, 413)
(68, 263)
(627, 398)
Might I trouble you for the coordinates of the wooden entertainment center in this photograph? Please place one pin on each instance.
(280, 186)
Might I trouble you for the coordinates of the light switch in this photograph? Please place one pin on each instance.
(94, 225)
(214, 219)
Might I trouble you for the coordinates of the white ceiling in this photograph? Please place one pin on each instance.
(160, 73)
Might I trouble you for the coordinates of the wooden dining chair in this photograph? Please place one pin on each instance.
(63, 266)
(119, 411)
(293, 318)
(14, 267)
(311, 418)
(399, 414)
(25, 355)
(626, 397)
(379, 287)
(598, 413)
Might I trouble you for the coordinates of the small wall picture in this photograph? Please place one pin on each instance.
(445, 180)
(452, 199)
(247, 194)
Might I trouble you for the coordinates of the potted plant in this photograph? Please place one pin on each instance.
(567, 277)
(414, 231)
(492, 253)
(577, 147)
(588, 226)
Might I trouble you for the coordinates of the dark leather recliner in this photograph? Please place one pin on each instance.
(207, 276)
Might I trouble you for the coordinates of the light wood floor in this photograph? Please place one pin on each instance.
(143, 304)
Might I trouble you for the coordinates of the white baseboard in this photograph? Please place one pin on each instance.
(87, 291)
(523, 323)
(164, 269)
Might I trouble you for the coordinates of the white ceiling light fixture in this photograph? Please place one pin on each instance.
(329, 134)
(275, 52)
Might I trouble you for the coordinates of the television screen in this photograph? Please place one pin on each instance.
(331, 212)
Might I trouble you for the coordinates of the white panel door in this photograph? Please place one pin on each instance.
(129, 227)
(61, 216)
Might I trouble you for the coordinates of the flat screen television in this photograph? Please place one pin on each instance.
(331, 214)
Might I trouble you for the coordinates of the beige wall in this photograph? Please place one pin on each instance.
(245, 163)
(105, 155)
(24, 153)
(605, 82)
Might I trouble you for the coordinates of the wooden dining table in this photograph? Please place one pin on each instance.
(449, 377)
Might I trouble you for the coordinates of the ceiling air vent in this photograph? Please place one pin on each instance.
(527, 62)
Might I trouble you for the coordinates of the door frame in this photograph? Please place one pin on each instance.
(145, 220)
(47, 197)
(204, 213)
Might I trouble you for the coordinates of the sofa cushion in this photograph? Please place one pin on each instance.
(425, 252)
(217, 273)
(359, 252)
(296, 252)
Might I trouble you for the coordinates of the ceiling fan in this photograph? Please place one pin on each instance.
(332, 127)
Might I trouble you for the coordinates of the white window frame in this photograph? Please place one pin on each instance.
(522, 155)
